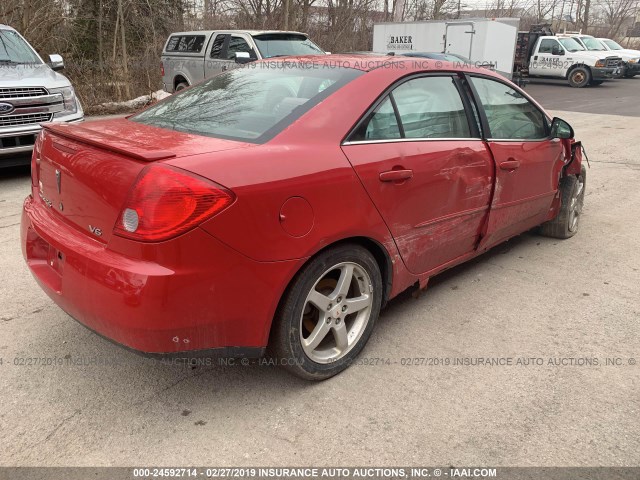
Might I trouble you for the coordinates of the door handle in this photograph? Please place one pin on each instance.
(396, 175)
(509, 165)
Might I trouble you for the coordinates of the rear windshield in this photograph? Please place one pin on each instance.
(185, 43)
(284, 44)
(252, 104)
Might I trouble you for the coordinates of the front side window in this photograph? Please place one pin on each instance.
(427, 108)
(247, 104)
(14, 50)
(216, 48)
(511, 116)
(546, 45)
(236, 45)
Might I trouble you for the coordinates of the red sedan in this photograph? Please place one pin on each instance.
(282, 204)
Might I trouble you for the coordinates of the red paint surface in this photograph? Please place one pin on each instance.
(220, 283)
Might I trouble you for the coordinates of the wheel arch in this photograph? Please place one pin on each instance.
(379, 252)
(179, 78)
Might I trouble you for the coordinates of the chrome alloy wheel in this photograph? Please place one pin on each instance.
(336, 312)
(575, 207)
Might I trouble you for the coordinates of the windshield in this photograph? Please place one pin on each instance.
(571, 44)
(252, 104)
(592, 44)
(284, 44)
(14, 50)
(611, 44)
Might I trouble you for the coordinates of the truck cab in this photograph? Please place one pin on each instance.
(31, 92)
(542, 54)
(630, 57)
(189, 57)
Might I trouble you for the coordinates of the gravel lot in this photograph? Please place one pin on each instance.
(533, 297)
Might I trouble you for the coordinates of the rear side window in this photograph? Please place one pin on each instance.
(425, 108)
(511, 116)
(248, 104)
(185, 43)
(216, 48)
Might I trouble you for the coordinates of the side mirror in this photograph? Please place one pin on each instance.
(561, 129)
(557, 50)
(243, 57)
(55, 62)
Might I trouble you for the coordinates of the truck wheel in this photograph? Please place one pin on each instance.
(565, 225)
(328, 312)
(579, 77)
(181, 86)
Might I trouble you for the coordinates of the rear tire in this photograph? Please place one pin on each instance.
(579, 77)
(328, 313)
(566, 223)
(181, 86)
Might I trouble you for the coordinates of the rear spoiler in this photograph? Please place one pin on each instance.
(108, 142)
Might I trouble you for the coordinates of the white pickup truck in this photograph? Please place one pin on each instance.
(541, 54)
(31, 92)
(189, 57)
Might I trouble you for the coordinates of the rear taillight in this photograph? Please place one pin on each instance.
(165, 202)
(161, 69)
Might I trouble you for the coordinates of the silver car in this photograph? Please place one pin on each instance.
(189, 57)
(31, 92)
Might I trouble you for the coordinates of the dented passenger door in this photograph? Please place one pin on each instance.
(420, 158)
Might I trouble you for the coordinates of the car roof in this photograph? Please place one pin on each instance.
(367, 63)
(249, 32)
(6, 27)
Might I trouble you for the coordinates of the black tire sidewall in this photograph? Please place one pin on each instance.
(289, 351)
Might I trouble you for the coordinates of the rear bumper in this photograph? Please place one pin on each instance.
(189, 294)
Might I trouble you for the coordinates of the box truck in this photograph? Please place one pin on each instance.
(479, 39)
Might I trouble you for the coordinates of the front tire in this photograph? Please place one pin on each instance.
(328, 313)
(566, 223)
(579, 77)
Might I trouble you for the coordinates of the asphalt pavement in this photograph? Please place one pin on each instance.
(563, 316)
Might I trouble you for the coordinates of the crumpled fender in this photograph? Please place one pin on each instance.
(573, 156)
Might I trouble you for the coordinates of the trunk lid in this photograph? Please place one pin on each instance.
(84, 173)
